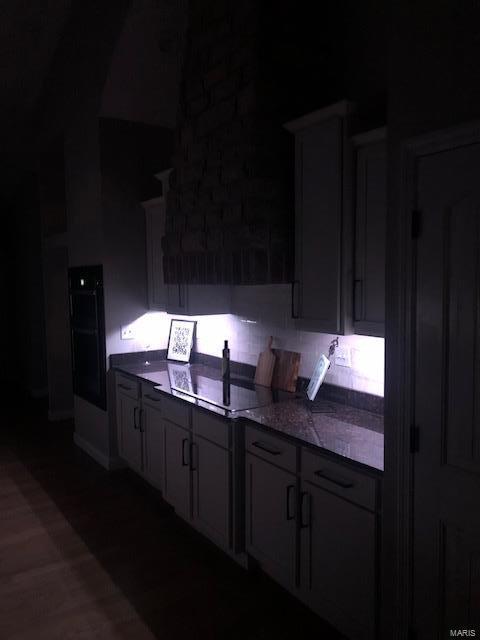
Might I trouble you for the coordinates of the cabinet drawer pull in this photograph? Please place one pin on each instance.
(267, 448)
(340, 482)
(290, 507)
(184, 459)
(124, 386)
(135, 426)
(305, 510)
(149, 397)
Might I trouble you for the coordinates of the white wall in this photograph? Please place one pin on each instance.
(262, 311)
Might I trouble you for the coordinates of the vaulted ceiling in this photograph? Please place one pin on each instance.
(29, 34)
(48, 48)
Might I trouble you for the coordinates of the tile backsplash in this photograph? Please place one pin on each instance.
(263, 311)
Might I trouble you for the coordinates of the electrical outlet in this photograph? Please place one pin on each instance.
(343, 357)
(127, 332)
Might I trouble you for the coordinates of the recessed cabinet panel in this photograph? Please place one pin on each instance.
(318, 250)
(152, 425)
(338, 570)
(270, 518)
(339, 479)
(177, 468)
(128, 429)
(275, 450)
(127, 386)
(198, 299)
(154, 231)
(211, 467)
(370, 230)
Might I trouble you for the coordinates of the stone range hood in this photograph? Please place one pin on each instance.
(229, 213)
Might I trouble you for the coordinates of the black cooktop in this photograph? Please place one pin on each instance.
(234, 396)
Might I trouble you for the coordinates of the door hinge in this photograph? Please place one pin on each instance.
(414, 438)
(416, 223)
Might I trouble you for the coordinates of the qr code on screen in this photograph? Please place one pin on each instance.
(181, 341)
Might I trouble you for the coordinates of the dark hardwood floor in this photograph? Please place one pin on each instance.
(86, 554)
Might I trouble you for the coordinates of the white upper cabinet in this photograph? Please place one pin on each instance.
(154, 231)
(322, 294)
(370, 229)
(155, 214)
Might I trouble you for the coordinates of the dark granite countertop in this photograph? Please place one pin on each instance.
(349, 432)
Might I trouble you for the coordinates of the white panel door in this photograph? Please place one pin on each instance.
(447, 395)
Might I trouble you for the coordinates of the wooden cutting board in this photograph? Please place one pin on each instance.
(265, 366)
(285, 373)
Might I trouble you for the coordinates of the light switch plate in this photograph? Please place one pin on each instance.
(343, 356)
(127, 332)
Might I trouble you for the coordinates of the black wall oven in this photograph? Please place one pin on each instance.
(87, 325)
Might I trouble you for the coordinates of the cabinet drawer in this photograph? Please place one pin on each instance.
(270, 448)
(176, 411)
(151, 398)
(339, 479)
(127, 385)
(213, 429)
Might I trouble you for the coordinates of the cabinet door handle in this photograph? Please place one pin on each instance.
(305, 510)
(340, 482)
(267, 448)
(290, 509)
(193, 456)
(149, 397)
(185, 462)
(135, 426)
(140, 421)
(124, 386)
(294, 309)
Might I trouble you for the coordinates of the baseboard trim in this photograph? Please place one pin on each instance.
(54, 416)
(107, 462)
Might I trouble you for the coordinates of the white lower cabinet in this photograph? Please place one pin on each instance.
(310, 521)
(337, 551)
(177, 468)
(313, 528)
(270, 518)
(211, 469)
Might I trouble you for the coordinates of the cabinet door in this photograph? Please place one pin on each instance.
(129, 433)
(177, 468)
(211, 468)
(338, 570)
(319, 226)
(270, 519)
(177, 299)
(370, 219)
(152, 425)
(155, 229)
(198, 299)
